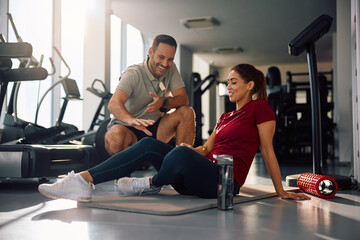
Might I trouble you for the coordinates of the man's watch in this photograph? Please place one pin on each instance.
(165, 102)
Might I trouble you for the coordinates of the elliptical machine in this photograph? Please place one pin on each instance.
(17, 130)
(35, 160)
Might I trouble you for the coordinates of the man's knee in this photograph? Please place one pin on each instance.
(186, 112)
(117, 139)
(112, 144)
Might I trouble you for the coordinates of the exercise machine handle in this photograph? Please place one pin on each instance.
(310, 34)
(105, 93)
(24, 74)
(62, 59)
(27, 62)
(15, 50)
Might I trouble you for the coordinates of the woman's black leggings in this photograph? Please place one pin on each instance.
(187, 171)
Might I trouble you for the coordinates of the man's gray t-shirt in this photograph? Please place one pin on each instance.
(137, 81)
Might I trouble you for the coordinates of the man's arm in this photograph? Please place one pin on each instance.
(117, 107)
(179, 99)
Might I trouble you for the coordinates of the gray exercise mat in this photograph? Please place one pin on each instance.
(169, 202)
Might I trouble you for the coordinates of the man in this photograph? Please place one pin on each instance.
(142, 92)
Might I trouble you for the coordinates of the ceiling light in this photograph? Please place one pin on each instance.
(200, 23)
(228, 50)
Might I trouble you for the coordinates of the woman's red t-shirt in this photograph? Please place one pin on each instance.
(237, 135)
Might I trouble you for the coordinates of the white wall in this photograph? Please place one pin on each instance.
(342, 82)
(355, 41)
(96, 63)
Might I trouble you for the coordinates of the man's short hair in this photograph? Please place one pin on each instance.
(163, 38)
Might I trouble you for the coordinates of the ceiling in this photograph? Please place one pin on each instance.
(262, 28)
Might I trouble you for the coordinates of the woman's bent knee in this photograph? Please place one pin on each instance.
(180, 154)
(148, 141)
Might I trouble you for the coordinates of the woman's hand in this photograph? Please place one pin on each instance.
(187, 145)
(200, 150)
(295, 196)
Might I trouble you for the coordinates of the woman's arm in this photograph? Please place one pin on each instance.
(266, 132)
(206, 148)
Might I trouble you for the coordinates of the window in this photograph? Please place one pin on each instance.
(135, 46)
(72, 45)
(127, 48)
(35, 27)
(34, 22)
(115, 51)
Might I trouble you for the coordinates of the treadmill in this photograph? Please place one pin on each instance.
(35, 160)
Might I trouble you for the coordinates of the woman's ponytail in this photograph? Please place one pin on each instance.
(261, 93)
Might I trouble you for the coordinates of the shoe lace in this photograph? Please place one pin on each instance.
(139, 185)
(136, 185)
(70, 177)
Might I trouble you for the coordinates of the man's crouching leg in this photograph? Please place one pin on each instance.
(180, 123)
(118, 138)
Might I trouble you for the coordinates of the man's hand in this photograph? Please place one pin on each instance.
(141, 125)
(156, 104)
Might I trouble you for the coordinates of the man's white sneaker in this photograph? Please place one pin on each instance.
(73, 187)
(136, 186)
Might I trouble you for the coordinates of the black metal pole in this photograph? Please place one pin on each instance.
(315, 109)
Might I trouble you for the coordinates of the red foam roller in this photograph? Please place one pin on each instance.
(318, 185)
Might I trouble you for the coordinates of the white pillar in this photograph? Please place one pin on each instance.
(96, 54)
(355, 48)
(342, 84)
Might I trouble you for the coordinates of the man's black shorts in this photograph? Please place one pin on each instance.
(140, 134)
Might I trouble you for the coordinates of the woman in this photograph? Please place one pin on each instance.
(193, 171)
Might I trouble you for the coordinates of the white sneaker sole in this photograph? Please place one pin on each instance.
(71, 197)
(139, 194)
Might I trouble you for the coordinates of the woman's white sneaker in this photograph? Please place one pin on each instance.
(136, 186)
(73, 187)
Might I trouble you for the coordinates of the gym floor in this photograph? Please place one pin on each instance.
(26, 214)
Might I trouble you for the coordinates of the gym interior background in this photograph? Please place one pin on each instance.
(100, 39)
